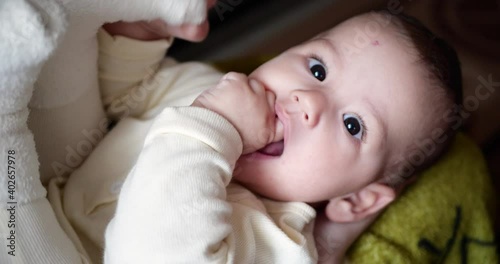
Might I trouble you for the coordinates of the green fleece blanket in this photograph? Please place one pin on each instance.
(445, 217)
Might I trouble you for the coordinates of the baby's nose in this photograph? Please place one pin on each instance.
(311, 104)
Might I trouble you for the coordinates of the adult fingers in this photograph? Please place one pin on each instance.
(195, 33)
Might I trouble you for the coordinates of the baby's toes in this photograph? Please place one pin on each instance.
(29, 30)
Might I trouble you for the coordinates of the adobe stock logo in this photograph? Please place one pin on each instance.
(75, 156)
(226, 6)
(455, 117)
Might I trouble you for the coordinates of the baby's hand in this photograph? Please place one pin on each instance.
(247, 105)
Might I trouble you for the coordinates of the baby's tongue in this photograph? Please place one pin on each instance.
(273, 149)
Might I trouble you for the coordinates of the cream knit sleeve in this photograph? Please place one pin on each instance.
(172, 207)
(124, 64)
(137, 80)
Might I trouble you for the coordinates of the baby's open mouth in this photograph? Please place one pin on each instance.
(273, 149)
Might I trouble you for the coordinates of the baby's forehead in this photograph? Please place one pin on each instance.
(368, 25)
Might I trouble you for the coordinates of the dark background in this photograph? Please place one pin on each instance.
(242, 28)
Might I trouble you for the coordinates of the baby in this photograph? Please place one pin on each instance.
(328, 124)
(237, 176)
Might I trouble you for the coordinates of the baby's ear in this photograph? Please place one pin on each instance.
(361, 204)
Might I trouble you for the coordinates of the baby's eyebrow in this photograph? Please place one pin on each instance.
(328, 45)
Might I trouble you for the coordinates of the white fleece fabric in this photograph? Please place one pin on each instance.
(64, 105)
(67, 88)
(29, 30)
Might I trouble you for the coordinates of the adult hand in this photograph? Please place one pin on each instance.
(158, 29)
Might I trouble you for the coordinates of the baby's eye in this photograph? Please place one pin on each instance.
(317, 68)
(354, 125)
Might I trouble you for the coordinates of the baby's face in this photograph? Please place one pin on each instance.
(347, 110)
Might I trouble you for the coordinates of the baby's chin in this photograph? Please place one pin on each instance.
(257, 188)
(245, 176)
(250, 167)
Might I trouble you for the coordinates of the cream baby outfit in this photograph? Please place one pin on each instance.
(171, 166)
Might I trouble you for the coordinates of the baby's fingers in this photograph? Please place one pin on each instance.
(271, 99)
(234, 76)
(190, 32)
(257, 87)
(276, 123)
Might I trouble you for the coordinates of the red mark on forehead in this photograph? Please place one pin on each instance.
(375, 43)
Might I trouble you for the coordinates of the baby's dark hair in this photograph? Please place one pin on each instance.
(442, 67)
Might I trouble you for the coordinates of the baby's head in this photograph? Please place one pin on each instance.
(355, 103)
